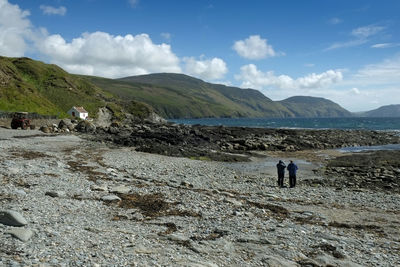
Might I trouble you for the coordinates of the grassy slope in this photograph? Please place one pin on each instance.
(33, 86)
(29, 85)
(308, 107)
(384, 111)
(182, 96)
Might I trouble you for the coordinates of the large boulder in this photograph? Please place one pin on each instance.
(104, 117)
(85, 127)
(45, 129)
(66, 124)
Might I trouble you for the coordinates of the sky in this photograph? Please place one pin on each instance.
(345, 51)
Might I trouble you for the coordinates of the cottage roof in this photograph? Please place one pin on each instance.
(81, 109)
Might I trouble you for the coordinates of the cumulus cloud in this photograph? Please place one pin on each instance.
(355, 91)
(254, 48)
(251, 77)
(49, 10)
(15, 30)
(208, 69)
(102, 54)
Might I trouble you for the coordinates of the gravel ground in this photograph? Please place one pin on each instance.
(91, 205)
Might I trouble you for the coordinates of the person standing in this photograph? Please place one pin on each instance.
(281, 172)
(292, 168)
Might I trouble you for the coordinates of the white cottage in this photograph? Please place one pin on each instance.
(78, 112)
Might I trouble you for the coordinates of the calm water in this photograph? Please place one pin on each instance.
(308, 123)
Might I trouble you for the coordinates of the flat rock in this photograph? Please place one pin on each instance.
(120, 189)
(55, 193)
(102, 187)
(276, 261)
(110, 198)
(178, 238)
(21, 233)
(12, 218)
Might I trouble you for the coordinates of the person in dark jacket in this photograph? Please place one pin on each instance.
(292, 168)
(281, 172)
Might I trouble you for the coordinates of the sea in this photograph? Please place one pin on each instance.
(351, 123)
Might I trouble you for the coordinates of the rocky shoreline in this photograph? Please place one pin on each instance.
(218, 142)
(87, 203)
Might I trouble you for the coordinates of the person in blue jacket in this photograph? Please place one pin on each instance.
(281, 172)
(292, 168)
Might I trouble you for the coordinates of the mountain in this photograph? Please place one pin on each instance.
(309, 107)
(384, 111)
(33, 86)
(181, 96)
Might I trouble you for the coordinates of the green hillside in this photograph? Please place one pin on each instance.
(182, 96)
(310, 107)
(384, 111)
(33, 86)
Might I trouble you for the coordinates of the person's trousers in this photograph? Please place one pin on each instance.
(280, 180)
(292, 180)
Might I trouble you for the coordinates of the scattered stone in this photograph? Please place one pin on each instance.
(122, 189)
(55, 193)
(45, 129)
(110, 198)
(102, 187)
(21, 233)
(12, 218)
(276, 261)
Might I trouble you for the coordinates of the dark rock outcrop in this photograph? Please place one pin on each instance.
(232, 143)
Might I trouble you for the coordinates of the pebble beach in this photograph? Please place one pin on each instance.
(68, 201)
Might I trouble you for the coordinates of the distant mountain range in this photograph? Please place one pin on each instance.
(384, 111)
(33, 86)
(181, 96)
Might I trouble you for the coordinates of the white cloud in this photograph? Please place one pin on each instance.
(208, 69)
(309, 65)
(385, 72)
(133, 3)
(49, 10)
(166, 36)
(102, 54)
(367, 31)
(251, 77)
(355, 91)
(15, 30)
(335, 21)
(385, 45)
(350, 43)
(254, 48)
(361, 36)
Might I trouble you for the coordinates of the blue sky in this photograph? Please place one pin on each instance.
(346, 51)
